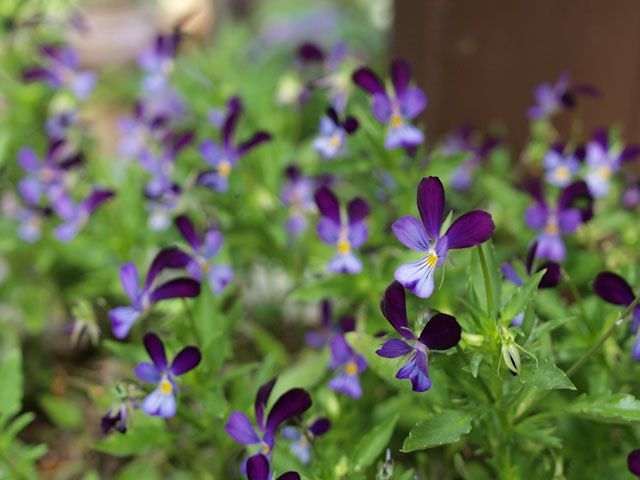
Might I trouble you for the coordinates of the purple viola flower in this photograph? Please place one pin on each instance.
(62, 71)
(470, 229)
(58, 124)
(297, 194)
(301, 438)
(345, 234)
(115, 418)
(602, 162)
(139, 130)
(203, 251)
(258, 469)
(349, 365)
(441, 332)
(550, 279)
(30, 217)
(332, 138)
(335, 75)
(633, 462)
(222, 158)
(631, 196)
(75, 216)
(552, 98)
(320, 338)
(560, 169)
(163, 206)
(467, 140)
(45, 177)
(614, 289)
(158, 59)
(398, 109)
(161, 166)
(162, 401)
(291, 404)
(123, 318)
(553, 222)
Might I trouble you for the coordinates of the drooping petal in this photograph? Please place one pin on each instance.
(188, 231)
(510, 274)
(393, 307)
(176, 288)
(258, 468)
(368, 81)
(345, 263)
(122, 319)
(417, 277)
(291, 404)
(219, 277)
(328, 204)
(328, 230)
(405, 136)
(470, 229)
(612, 288)
(442, 332)
(185, 360)
(430, 199)
(214, 181)
(412, 103)
(394, 348)
(357, 210)
(417, 370)
(160, 404)
(155, 349)
(347, 323)
(411, 233)
(147, 372)
(253, 142)
(96, 198)
(551, 247)
(551, 277)
(262, 397)
(346, 384)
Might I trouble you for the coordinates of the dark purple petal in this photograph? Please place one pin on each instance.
(577, 196)
(185, 360)
(400, 76)
(129, 280)
(602, 137)
(310, 52)
(289, 476)
(441, 332)
(551, 277)
(431, 205)
(97, 198)
(531, 255)
(254, 141)
(325, 313)
(333, 115)
(394, 309)
(37, 74)
(357, 210)
(629, 153)
(180, 142)
(633, 462)
(350, 125)
(258, 468)
(184, 224)
(369, 81)
(176, 288)
(613, 289)
(585, 89)
(166, 258)
(328, 204)
(534, 188)
(235, 108)
(320, 427)
(291, 404)
(472, 228)
(262, 397)
(155, 349)
(240, 429)
(347, 323)
(394, 348)
(293, 173)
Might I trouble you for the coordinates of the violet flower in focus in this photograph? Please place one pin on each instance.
(614, 289)
(424, 236)
(332, 138)
(343, 233)
(123, 318)
(162, 401)
(203, 251)
(297, 194)
(222, 158)
(441, 332)
(397, 109)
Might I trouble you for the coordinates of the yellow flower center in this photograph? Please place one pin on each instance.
(335, 140)
(551, 228)
(47, 175)
(396, 120)
(344, 246)
(431, 259)
(351, 369)
(165, 387)
(224, 168)
(562, 173)
(604, 173)
(265, 448)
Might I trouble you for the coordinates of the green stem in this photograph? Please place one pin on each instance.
(484, 386)
(487, 281)
(192, 323)
(619, 321)
(576, 296)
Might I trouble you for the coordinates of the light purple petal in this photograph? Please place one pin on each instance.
(341, 352)
(129, 280)
(211, 153)
(417, 370)
(147, 373)
(510, 274)
(536, 217)
(411, 233)
(569, 220)
(346, 384)
(345, 263)
(160, 404)
(30, 189)
(122, 319)
(213, 241)
(83, 84)
(381, 107)
(417, 277)
(412, 103)
(328, 230)
(404, 136)
(240, 429)
(394, 348)
(358, 234)
(28, 159)
(214, 181)
(219, 277)
(551, 247)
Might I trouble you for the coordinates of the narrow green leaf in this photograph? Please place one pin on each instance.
(11, 375)
(520, 298)
(474, 363)
(61, 411)
(620, 408)
(545, 375)
(440, 429)
(373, 444)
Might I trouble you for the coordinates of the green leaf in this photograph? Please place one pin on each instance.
(520, 298)
(61, 411)
(11, 375)
(305, 374)
(545, 375)
(474, 363)
(373, 444)
(442, 428)
(620, 408)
